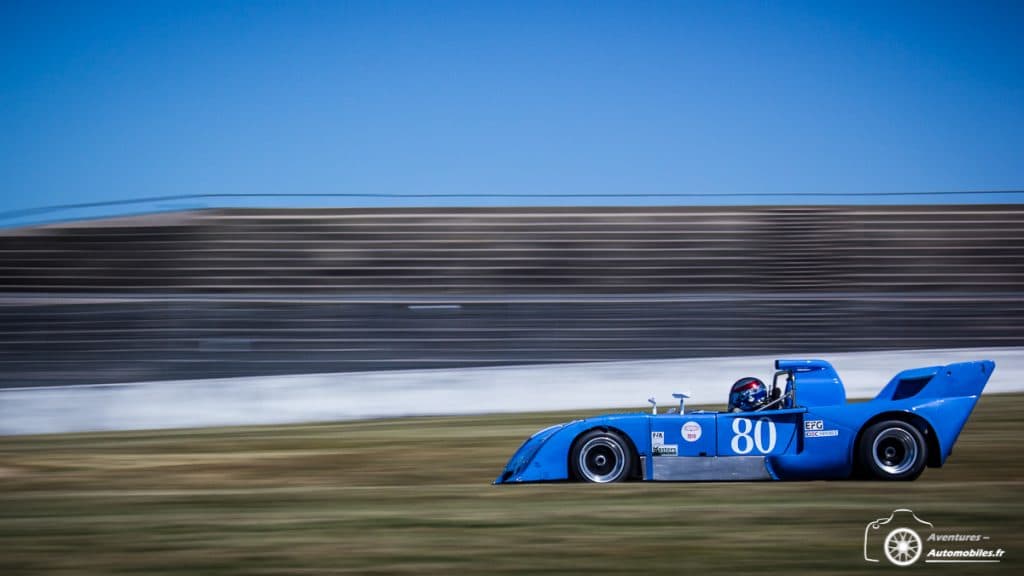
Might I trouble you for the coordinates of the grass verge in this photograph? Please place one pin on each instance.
(413, 496)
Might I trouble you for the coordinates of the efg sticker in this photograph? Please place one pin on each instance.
(691, 431)
(816, 429)
(657, 438)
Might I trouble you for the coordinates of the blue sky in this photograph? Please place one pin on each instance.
(488, 100)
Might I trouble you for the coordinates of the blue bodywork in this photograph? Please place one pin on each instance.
(812, 433)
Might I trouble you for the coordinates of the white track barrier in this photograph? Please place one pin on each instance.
(359, 395)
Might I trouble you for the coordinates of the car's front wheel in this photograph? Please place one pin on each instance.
(893, 450)
(601, 457)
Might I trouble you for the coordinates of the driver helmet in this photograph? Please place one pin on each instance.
(747, 394)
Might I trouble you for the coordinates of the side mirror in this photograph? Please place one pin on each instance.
(682, 399)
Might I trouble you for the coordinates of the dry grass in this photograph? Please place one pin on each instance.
(414, 496)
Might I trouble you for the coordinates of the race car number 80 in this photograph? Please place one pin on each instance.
(750, 435)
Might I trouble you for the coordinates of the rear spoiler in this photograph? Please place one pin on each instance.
(950, 381)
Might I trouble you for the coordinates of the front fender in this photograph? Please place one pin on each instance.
(544, 457)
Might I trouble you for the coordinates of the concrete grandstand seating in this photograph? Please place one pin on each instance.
(247, 292)
(523, 251)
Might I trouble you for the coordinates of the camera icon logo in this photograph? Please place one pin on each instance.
(898, 537)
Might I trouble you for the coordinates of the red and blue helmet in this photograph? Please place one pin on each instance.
(747, 394)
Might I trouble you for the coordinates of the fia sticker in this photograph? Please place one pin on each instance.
(691, 431)
(657, 438)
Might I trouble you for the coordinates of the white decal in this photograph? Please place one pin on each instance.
(743, 442)
(657, 438)
(771, 435)
(666, 450)
(820, 433)
(814, 425)
(691, 431)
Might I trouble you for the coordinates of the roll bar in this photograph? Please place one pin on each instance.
(780, 398)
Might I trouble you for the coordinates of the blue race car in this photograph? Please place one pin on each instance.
(799, 429)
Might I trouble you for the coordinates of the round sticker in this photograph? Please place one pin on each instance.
(691, 431)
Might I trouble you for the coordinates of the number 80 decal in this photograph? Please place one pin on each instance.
(750, 435)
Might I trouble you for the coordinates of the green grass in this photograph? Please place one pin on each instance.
(413, 496)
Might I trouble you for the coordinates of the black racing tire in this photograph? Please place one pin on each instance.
(601, 457)
(892, 450)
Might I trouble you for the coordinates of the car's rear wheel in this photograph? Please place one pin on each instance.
(601, 457)
(893, 450)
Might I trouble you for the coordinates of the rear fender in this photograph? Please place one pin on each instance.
(940, 398)
(935, 457)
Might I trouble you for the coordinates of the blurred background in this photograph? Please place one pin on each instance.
(196, 191)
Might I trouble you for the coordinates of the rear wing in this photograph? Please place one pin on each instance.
(950, 381)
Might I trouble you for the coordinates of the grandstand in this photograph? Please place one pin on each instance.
(233, 292)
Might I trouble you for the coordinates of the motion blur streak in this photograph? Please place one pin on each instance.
(255, 292)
